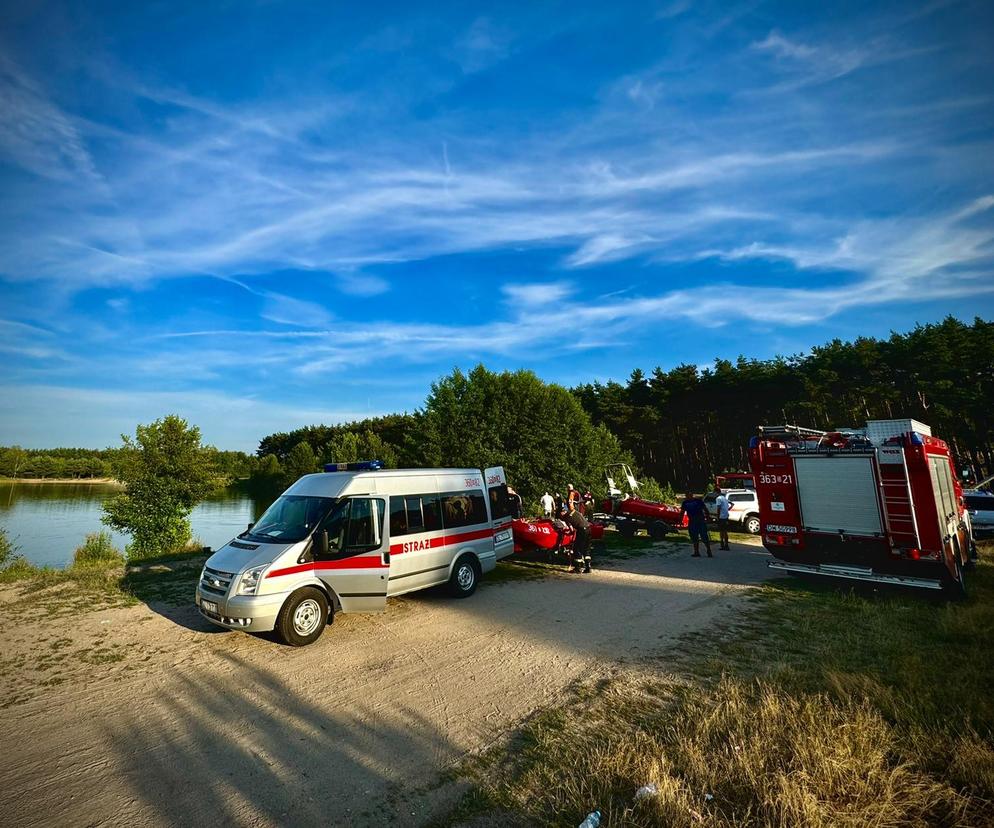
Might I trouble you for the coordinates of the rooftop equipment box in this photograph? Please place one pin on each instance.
(879, 430)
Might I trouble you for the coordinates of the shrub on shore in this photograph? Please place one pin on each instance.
(97, 550)
(94, 562)
(13, 567)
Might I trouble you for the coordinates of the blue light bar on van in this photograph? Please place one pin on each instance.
(362, 465)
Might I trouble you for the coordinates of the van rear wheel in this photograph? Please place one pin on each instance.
(465, 577)
(752, 525)
(302, 617)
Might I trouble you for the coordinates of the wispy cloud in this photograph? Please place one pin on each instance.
(35, 134)
(536, 293)
(569, 187)
(361, 284)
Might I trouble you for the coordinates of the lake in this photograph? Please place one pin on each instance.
(47, 521)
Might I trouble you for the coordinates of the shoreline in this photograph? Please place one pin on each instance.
(106, 481)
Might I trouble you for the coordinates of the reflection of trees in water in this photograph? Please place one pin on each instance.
(51, 519)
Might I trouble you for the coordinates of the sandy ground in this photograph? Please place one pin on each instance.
(160, 719)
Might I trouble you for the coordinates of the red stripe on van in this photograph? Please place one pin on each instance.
(366, 562)
(447, 540)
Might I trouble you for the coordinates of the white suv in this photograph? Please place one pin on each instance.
(743, 508)
(981, 507)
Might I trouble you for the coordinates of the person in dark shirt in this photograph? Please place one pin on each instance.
(581, 543)
(697, 523)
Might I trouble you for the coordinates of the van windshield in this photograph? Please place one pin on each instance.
(290, 519)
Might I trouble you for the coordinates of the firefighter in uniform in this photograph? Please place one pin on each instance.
(581, 543)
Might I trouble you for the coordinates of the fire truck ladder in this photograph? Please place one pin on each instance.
(899, 509)
(790, 433)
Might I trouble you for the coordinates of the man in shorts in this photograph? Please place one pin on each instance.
(723, 506)
(697, 523)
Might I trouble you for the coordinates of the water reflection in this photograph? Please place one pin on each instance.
(47, 521)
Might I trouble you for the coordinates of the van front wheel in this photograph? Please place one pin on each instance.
(303, 617)
(465, 576)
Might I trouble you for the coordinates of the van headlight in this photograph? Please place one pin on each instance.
(250, 580)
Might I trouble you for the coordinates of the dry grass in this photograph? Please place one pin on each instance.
(819, 709)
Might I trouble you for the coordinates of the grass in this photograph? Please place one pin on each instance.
(98, 578)
(818, 708)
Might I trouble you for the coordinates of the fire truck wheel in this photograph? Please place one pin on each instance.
(627, 529)
(752, 525)
(465, 576)
(303, 617)
(657, 530)
(955, 588)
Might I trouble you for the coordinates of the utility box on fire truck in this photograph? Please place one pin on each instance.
(880, 504)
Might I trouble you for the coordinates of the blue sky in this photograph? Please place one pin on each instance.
(265, 215)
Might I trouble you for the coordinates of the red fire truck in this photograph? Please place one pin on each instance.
(880, 504)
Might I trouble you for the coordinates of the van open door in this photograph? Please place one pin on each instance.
(502, 511)
(351, 554)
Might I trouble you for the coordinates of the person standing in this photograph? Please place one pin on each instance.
(697, 523)
(723, 506)
(515, 502)
(581, 541)
(573, 497)
(548, 504)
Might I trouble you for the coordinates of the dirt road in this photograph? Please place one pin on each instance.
(169, 721)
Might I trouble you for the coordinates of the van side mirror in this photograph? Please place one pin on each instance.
(321, 543)
(250, 527)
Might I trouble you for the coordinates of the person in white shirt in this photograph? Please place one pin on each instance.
(548, 502)
(723, 506)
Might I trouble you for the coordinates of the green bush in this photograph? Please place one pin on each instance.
(166, 472)
(97, 550)
(13, 567)
(8, 552)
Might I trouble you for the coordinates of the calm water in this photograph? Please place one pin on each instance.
(49, 520)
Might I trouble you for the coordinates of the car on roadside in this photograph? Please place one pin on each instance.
(743, 508)
(980, 505)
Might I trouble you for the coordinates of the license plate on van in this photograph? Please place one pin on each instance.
(210, 606)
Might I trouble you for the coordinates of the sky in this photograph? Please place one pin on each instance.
(266, 215)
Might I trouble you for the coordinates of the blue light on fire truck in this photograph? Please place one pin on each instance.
(916, 439)
(362, 465)
(753, 441)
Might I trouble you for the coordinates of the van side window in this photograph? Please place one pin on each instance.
(463, 509)
(500, 502)
(354, 526)
(410, 514)
(740, 498)
(365, 525)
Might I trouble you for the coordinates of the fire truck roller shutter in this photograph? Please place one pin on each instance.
(838, 494)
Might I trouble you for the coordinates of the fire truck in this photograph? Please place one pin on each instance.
(880, 504)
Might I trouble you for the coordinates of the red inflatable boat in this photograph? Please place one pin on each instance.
(544, 536)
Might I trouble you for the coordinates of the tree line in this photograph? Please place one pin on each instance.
(84, 464)
(684, 425)
(679, 427)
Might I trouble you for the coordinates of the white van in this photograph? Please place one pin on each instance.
(345, 540)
